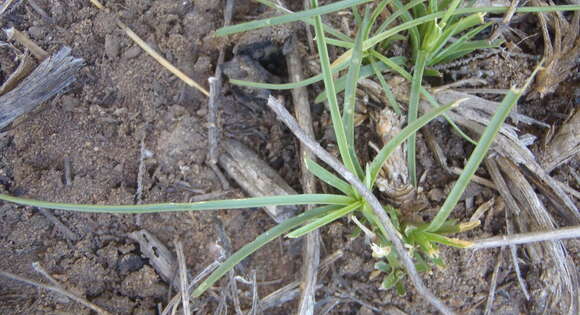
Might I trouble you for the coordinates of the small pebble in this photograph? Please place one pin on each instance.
(436, 194)
(36, 32)
(112, 46)
(132, 52)
(69, 103)
(130, 263)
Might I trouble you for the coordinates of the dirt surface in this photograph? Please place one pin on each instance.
(123, 98)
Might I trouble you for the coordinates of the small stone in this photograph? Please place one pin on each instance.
(132, 52)
(36, 32)
(202, 112)
(112, 46)
(130, 263)
(70, 103)
(436, 195)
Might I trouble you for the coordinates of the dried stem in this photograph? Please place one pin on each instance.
(524, 238)
(57, 289)
(182, 277)
(312, 241)
(373, 202)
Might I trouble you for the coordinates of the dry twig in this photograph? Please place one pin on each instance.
(311, 257)
(58, 289)
(373, 202)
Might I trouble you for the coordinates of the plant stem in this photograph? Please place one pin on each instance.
(384, 220)
(524, 238)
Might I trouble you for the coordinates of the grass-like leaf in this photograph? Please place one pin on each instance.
(306, 199)
(332, 99)
(293, 17)
(414, 99)
(329, 178)
(477, 155)
(289, 86)
(402, 136)
(365, 71)
(260, 241)
(327, 28)
(386, 88)
(352, 78)
(320, 222)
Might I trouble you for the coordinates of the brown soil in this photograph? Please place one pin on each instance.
(121, 97)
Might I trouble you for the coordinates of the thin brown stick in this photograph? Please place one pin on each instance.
(68, 233)
(491, 295)
(290, 291)
(311, 256)
(373, 202)
(182, 277)
(149, 50)
(35, 50)
(57, 289)
(524, 238)
(215, 83)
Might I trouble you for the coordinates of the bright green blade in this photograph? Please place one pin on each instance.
(335, 115)
(327, 28)
(478, 155)
(329, 178)
(442, 53)
(416, 85)
(306, 199)
(378, 38)
(293, 17)
(260, 241)
(386, 88)
(424, 92)
(318, 223)
(352, 81)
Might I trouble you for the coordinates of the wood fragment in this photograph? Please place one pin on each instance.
(256, 177)
(25, 67)
(160, 258)
(311, 252)
(183, 285)
(51, 77)
(564, 145)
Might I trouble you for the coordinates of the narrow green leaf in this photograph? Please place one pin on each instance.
(402, 136)
(467, 48)
(293, 17)
(365, 71)
(386, 88)
(443, 52)
(424, 92)
(260, 241)
(414, 99)
(306, 199)
(289, 86)
(320, 222)
(477, 155)
(352, 83)
(327, 28)
(332, 99)
(453, 242)
(378, 38)
(329, 178)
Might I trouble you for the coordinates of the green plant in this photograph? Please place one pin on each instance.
(429, 29)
